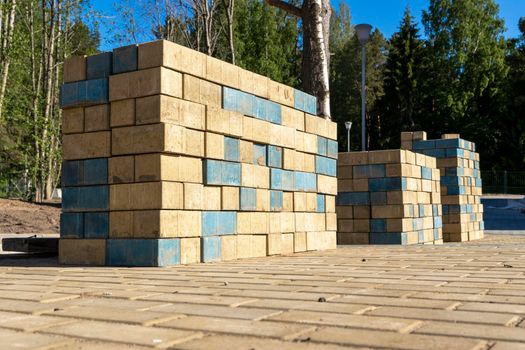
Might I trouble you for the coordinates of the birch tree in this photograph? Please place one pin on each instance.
(315, 16)
(7, 27)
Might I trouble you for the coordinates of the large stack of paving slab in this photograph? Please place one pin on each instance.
(460, 182)
(388, 197)
(172, 156)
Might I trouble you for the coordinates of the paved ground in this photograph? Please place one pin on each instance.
(469, 296)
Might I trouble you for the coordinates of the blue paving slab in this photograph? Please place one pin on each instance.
(310, 182)
(426, 173)
(276, 200)
(436, 234)
(369, 171)
(378, 225)
(71, 225)
(325, 166)
(332, 148)
(99, 66)
(353, 198)
(96, 225)
(388, 238)
(125, 59)
(435, 209)
(212, 172)
(423, 145)
(438, 222)
(274, 112)
(232, 149)
(305, 102)
(321, 203)
(455, 152)
(276, 179)
(421, 236)
(218, 172)
(322, 146)
(378, 198)
(288, 180)
(387, 184)
(143, 252)
(238, 101)
(455, 190)
(248, 199)
(95, 171)
(259, 154)
(84, 93)
(275, 156)
(90, 198)
(72, 173)
(211, 249)
(219, 223)
(453, 171)
(448, 143)
(421, 210)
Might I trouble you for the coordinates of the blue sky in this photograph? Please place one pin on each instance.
(384, 14)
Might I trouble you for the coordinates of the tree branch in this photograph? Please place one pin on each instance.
(283, 5)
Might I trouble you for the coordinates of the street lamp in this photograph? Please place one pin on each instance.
(363, 34)
(348, 127)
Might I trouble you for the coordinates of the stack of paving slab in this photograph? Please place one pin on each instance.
(460, 183)
(388, 197)
(174, 157)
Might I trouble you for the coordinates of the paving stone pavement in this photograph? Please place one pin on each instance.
(455, 296)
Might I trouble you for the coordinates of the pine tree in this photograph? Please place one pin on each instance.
(399, 106)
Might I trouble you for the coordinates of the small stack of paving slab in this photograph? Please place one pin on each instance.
(461, 186)
(388, 197)
(174, 157)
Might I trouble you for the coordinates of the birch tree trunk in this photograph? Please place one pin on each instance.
(7, 27)
(315, 15)
(229, 7)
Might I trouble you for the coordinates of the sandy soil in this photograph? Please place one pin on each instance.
(17, 216)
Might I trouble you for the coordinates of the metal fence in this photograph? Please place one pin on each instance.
(506, 182)
(15, 188)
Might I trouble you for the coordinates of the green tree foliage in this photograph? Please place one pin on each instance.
(345, 81)
(400, 107)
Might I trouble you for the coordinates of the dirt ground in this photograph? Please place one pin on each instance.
(22, 217)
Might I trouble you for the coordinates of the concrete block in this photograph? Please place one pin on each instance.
(305, 102)
(224, 122)
(121, 169)
(274, 244)
(153, 224)
(73, 120)
(146, 82)
(202, 91)
(275, 156)
(331, 130)
(122, 113)
(288, 201)
(246, 151)
(327, 184)
(212, 198)
(125, 59)
(143, 252)
(299, 242)
(276, 200)
(95, 171)
(82, 252)
(121, 224)
(282, 179)
(299, 201)
(331, 221)
(96, 225)
(193, 196)
(353, 198)
(322, 146)
(261, 176)
(268, 110)
(311, 202)
(325, 166)
(289, 159)
(292, 118)
(222, 173)
(222, 72)
(232, 149)
(244, 246)
(321, 240)
(229, 247)
(321, 204)
(193, 143)
(310, 143)
(287, 243)
(84, 93)
(214, 146)
(230, 198)
(262, 200)
(352, 238)
(74, 69)
(167, 109)
(281, 93)
(247, 199)
(190, 250)
(168, 54)
(253, 83)
(331, 148)
(147, 195)
(71, 225)
(387, 184)
(369, 171)
(99, 66)
(80, 199)
(260, 131)
(259, 246)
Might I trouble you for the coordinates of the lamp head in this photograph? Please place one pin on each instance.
(363, 32)
(348, 125)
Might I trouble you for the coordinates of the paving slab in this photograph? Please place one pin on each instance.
(454, 296)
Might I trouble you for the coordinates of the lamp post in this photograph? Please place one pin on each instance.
(348, 127)
(363, 34)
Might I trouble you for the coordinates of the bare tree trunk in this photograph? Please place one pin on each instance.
(315, 15)
(6, 36)
(230, 6)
